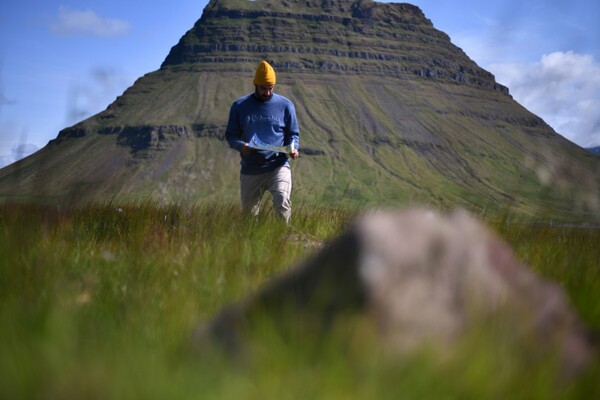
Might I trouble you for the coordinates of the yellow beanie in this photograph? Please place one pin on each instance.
(264, 75)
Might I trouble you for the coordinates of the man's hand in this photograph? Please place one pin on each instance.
(246, 150)
(294, 154)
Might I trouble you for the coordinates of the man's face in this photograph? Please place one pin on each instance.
(264, 93)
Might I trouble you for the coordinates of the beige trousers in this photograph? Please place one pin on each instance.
(278, 182)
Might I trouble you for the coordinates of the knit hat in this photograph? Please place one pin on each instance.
(264, 75)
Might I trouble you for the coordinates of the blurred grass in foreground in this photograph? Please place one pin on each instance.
(98, 302)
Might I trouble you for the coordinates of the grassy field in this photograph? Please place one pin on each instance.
(99, 303)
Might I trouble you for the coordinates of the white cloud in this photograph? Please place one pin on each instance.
(17, 152)
(75, 22)
(95, 93)
(563, 88)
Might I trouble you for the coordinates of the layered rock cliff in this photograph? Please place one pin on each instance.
(315, 37)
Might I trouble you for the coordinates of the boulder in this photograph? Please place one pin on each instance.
(422, 278)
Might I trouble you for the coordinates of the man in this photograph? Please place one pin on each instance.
(269, 119)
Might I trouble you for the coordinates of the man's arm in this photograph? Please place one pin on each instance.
(233, 132)
(292, 133)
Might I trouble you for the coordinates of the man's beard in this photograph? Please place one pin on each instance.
(264, 99)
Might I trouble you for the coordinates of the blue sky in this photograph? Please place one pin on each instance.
(62, 61)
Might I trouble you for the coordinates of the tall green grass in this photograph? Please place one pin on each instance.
(99, 302)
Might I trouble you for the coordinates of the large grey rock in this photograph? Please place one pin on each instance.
(422, 278)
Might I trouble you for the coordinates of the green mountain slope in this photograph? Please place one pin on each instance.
(390, 112)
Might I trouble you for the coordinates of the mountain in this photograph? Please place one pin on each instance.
(390, 111)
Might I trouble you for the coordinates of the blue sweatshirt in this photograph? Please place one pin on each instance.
(273, 121)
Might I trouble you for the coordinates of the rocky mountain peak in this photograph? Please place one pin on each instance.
(333, 37)
(341, 7)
